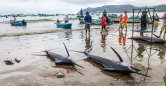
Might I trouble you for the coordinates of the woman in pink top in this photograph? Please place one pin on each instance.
(103, 23)
(163, 26)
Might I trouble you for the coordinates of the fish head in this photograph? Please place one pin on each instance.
(46, 51)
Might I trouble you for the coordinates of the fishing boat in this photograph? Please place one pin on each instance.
(18, 23)
(81, 20)
(64, 25)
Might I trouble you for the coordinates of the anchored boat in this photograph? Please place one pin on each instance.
(18, 23)
(64, 25)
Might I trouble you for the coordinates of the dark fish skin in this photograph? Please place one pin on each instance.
(62, 59)
(8, 62)
(111, 64)
(155, 40)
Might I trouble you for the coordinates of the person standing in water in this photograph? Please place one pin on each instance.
(120, 21)
(163, 26)
(88, 21)
(125, 20)
(103, 23)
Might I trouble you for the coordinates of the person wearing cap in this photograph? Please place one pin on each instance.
(88, 21)
(125, 20)
(66, 19)
(144, 21)
(163, 26)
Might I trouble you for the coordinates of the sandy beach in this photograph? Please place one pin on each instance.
(36, 69)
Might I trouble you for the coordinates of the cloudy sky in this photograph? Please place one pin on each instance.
(64, 6)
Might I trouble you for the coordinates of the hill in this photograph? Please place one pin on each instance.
(120, 8)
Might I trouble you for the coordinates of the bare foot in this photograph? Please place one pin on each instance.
(159, 36)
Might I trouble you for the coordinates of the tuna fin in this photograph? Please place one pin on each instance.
(121, 60)
(66, 50)
(156, 36)
(78, 65)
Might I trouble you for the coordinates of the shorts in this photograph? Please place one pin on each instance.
(103, 26)
(87, 26)
(124, 24)
(143, 28)
(163, 27)
(156, 23)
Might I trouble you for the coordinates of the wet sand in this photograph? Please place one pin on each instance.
(40, 70)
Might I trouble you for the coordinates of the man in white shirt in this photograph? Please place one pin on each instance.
(66, 19)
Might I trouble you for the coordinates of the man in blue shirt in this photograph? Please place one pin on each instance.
(157, 17)
(88, 21)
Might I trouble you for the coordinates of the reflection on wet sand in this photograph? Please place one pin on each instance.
(88, 42)
(161, 55)
(161, 52)
(103, 40)
(164, 78)
(140, 50)
(122, 37)
(67, 34)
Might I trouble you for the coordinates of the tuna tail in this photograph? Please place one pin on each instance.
(78, 65)
(66, 49)
(89, 48)
(156, 36)
(121, 60)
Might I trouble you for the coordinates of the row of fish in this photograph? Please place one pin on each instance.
(108, 64)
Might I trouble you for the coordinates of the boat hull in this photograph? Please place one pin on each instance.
(64, 25)
(17, 23)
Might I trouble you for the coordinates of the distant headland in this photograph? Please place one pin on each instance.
(121, 8)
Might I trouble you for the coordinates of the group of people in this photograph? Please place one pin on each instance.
(88, 22)
(123, 21)
(144, 21)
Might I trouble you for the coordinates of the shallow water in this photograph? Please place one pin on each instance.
(39, 70)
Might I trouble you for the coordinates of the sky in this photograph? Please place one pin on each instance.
(64, 6)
